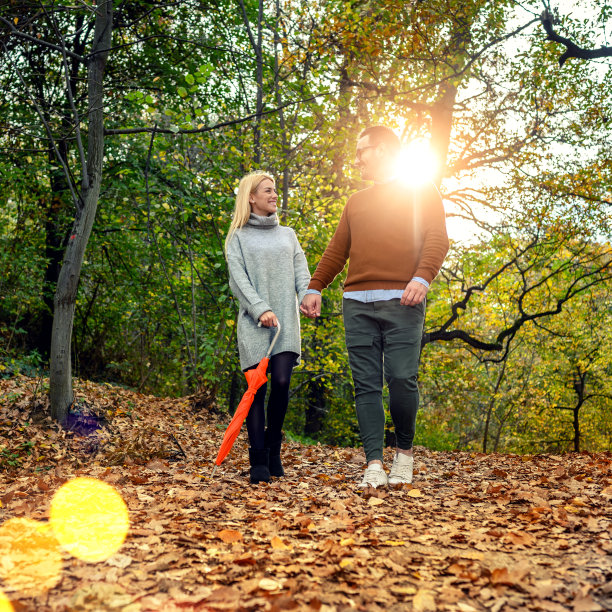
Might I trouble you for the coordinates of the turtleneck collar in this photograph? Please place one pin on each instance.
(263, 222)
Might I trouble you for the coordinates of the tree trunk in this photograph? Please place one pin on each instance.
(259, 77)
(60, 376)
(500, 376)
(579, 388)
(441, 126)
(577, 429)
(315, 408)
(55, 235)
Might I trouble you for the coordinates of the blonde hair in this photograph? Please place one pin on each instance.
(242, 210)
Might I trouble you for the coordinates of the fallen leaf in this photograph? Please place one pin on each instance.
(403, 590)
(424, 601)
(229, 535)
(585, 603)
(119, 560)
(268, 584)
(508, 577)
(278, 544)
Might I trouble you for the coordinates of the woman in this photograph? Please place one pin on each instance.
(267, 269)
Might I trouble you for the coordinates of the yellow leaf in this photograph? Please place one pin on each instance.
(278, 544)
(347, 542)
(415, 493)
(346, 562)
(394, 542)
(375, 501)
(16, 20)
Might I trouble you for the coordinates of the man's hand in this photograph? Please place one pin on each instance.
(311, 305)
(414, 293)
(268, 319)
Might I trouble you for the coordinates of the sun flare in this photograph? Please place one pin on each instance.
(89, 518)
(5, 603)
(417, 163)
(30, 558)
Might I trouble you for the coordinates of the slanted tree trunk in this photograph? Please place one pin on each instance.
(60, 383)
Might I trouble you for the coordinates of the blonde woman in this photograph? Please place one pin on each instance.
(269, 276)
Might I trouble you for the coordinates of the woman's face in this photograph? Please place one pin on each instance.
(263, 200)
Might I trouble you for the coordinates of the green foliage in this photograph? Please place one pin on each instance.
(296, 437)
(434, 434)
(10, 459)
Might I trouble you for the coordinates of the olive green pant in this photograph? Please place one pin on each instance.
(384, 339)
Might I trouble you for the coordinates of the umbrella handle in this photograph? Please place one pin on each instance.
(278, 328)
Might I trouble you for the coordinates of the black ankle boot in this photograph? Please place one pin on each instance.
(259, 465)
(274, 460)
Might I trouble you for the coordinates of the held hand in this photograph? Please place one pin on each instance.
(268, 319)
(414, 293)
(311, 305)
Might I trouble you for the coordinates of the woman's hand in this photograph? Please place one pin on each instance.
(268, 319)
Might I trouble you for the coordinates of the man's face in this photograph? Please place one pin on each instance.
(368, 157)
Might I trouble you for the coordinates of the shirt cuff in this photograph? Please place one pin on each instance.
(312, 292)
(418, 279)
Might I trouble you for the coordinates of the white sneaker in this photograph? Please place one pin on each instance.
(374, 476)
(401, 470)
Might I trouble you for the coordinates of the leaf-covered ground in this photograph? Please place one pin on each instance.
(474, 532)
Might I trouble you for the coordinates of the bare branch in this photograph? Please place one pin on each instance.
(216, 126)
(549, 20)
(39, 41)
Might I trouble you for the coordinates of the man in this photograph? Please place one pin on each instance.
(395, 240)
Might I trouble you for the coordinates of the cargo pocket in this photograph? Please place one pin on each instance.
(358, 340)
(365, 360)
(402, 354)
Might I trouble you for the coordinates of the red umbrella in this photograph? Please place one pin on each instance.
(255, 379)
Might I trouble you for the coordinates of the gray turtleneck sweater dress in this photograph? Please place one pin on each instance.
(268, 271)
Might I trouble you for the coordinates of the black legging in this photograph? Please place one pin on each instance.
(280, 369)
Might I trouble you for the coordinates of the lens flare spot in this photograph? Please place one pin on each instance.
(417, 163)
(89, 518)
(5, 603)
(30, 557)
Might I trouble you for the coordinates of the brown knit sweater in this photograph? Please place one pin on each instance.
(390, 234)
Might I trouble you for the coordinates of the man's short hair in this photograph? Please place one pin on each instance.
(382, 133)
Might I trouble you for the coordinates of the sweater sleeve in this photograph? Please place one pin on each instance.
(435, 239)
(301, 272)
(335, 256)
(240, 283)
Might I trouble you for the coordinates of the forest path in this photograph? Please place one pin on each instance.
(474, 531)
